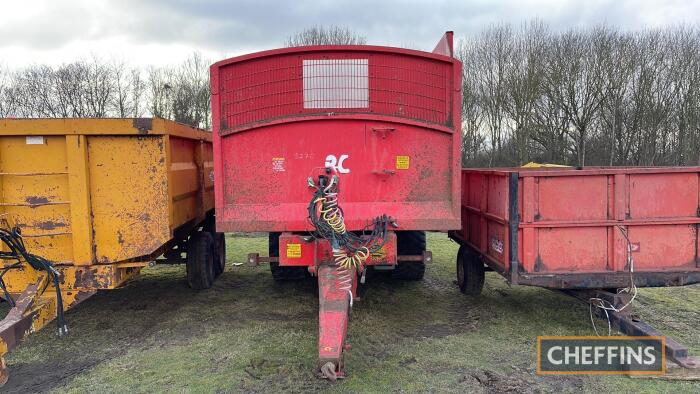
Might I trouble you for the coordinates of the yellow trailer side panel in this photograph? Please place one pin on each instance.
(106, 190)
(129, 196)
(35, 193)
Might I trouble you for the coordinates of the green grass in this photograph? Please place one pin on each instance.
(251, 334)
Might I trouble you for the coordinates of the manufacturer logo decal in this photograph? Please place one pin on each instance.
(337, 163)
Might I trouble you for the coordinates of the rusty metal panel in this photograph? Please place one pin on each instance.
(88, 191)
(571, 249)
(129, 196)
(35, 193)
(571, 222)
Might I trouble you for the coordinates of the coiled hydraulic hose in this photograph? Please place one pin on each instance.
(349, 250)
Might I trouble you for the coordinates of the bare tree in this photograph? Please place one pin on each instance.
(191, 104)
(137, 92)
(319, 35)
(524, 79)
(160, 92)
(486, 59)
(472, 118)
(7, 98)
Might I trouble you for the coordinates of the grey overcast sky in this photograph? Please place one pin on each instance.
(158, 32)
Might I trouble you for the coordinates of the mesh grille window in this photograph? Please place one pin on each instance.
(336, 83)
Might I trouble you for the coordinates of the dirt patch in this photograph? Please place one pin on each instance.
(44, 376)
(105, 327)
(498, 383)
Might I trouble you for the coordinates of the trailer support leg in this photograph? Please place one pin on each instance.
(336, 290)
(628, 322)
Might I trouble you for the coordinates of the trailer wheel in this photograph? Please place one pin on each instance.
(409, 243)
(219, 253)
(282, 273)
(470, 272)
(200, 260)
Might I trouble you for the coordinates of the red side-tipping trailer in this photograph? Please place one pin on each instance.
(345, 155)
(595, 233)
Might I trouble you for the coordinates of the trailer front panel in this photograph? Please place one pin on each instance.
(386, 120)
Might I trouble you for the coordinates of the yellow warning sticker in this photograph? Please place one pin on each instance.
(293, 251)
(402, 162)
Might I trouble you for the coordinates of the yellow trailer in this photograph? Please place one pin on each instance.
(92, 201)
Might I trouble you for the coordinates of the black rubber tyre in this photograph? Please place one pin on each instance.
(470, 272)
(219, 253)
(409, 243)
(200, 260)
(282, 274)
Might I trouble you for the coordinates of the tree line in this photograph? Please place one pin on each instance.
(594, 96)
(583, 96)
(96, 88)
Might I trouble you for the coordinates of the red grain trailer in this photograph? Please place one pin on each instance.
(346, 155)
(584, 231)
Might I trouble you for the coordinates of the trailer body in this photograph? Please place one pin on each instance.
(100, 199)
(382, 123)
(572, 228)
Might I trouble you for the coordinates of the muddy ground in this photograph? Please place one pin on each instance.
(251, 334)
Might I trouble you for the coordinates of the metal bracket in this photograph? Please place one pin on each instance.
(254, 259)
(383, 131)
(425, 257)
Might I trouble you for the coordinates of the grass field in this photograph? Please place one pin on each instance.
(251, 334)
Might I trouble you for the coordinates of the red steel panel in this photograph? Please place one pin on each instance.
(384, 117)
(674, 195)
(571, 249)
(298, 250)
(571, 221)
(590, 196)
